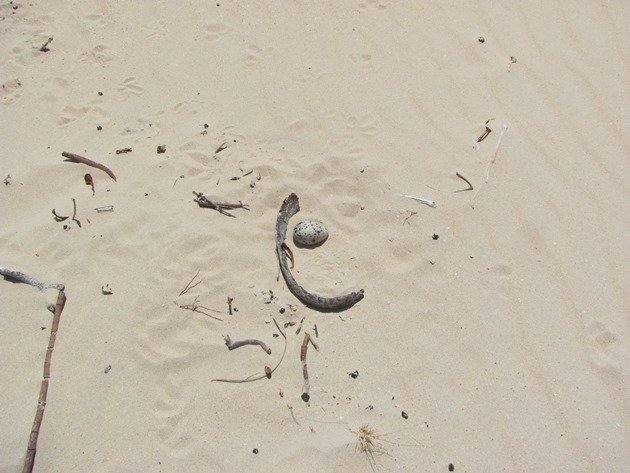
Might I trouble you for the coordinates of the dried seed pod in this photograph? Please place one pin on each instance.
(268, 372)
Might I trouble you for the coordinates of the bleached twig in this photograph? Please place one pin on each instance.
(430, 203)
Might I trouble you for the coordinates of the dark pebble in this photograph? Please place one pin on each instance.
(404, 415)
(99, 128)
(435, 236)
(305, 397)
(282, 309)
(255, 452)
(354, 374)
(451, 467)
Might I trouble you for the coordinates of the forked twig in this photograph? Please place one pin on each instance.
(219, 205)
(75, 158)
(470, 186)
(43, 391)
(188, 286)
(194, 307)
(264, 375)
(250, 341)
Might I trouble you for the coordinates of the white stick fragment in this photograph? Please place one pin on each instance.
(430, 203)
(26, 279)
(106, 208)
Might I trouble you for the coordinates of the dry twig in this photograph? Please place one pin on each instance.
(470, 186)
(194, 307)
(430, 203)
(75, 158)
(250, 341)
(43, 392)
(30, 280)
(219, 205)
(45, 47)
(254, 377)
(304, 348)
(189, 286)
(74, 213)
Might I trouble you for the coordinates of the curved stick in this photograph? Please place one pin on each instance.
(241, 343)
(75, 158)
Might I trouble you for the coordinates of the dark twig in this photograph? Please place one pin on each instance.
(219, 205)
(74, 213)
(58, 217)
(305, 388)
(123, 150)
(194, 307)
(289, 253)
(250, 341)
(75, 158)
(188, 286)
(45, 47)
(221, 148)
(267, 373)
(229, 301)
(470, 186)
(43, 392)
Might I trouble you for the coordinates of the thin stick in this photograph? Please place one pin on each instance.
(123, 150)
(306, 387)
(43, 392)
(430, 203)
(45, 47)
(30, 280)
(75, 158)
(188, 286)
(241, 343)
(194, 307)
(293, 415)
(229, 301)
(470, 186)
(253, 377)
(492, 161)
(74, 213)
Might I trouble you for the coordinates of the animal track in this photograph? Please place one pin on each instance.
(129, 87)
(215, 31)
(256, 55)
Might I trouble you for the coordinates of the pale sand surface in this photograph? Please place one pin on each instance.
(505, 340)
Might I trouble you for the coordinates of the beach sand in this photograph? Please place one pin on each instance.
(496, 321)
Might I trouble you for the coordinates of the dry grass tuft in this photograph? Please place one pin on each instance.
(368, 443)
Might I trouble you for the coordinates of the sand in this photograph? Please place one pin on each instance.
(497, 321)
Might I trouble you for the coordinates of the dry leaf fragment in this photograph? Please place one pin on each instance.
(90, 182)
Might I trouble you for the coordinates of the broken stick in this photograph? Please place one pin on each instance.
(30, 280)
(250, 341)
(219, 205)
(29, 461)
(75, 158)
(306, 387)
(470, 186)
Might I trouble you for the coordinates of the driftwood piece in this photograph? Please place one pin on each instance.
(241, 343)
(219, 205)
(43, 392)
(289, 208)
(75, 158)
(30, 280)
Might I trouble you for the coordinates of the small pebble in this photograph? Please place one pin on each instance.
(282, 309)
(255, 451)
(435, 236)
(354, 374)
(305, 397)
(451, 467)
(99, 128)
(404, 415)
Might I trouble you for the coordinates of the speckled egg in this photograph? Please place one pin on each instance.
(310, 233)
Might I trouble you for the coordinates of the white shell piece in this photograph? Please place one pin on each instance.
(310, 233)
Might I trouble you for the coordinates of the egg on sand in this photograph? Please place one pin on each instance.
(310, 233)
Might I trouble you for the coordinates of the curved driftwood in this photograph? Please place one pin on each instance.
(289, 208)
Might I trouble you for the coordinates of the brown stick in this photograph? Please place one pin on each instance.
(45, 47)
(75, 158)
(250, 341)
(29, 461)
(267, 373)
(470, 186)
(305, 388)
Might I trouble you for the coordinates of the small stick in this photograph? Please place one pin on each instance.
(30, 280)
(74, 213)
(253, 377)
(304, 348)
(107, 208)
(411, 214)
(58, 217)
(250, 341)
(297, 332)
(219, 205)
(315, 330)
(188, 286)
(466, 181)
(75, 158)
(229, 301)
(45, 47)
(221, 148)
(428, 202)
(292, 414)
(123, 150)
(43, 392)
